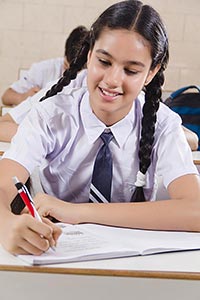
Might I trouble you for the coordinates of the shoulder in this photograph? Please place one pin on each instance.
(48, 63)
(64, 104)
(165, 115)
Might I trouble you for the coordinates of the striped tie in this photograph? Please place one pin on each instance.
(100, 189)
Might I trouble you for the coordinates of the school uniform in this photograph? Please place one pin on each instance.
(39, 74)
(62, 137)
(19, 112)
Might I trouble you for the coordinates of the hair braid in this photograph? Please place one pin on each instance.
(152, 100)
(76, 65)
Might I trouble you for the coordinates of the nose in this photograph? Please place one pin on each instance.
(113, 77)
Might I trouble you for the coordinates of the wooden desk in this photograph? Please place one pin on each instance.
(196, 157)
(3, 147)
(163, 276)
(4, 109)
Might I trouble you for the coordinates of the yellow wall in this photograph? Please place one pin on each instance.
(33, 30)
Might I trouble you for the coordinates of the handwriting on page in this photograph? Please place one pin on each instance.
(75, 241)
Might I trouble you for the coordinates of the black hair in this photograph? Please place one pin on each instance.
(74, 41)
(143, 19)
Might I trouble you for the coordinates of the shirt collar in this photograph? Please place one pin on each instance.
(94, 127)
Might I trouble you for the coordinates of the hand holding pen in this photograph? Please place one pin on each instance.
(27, 199)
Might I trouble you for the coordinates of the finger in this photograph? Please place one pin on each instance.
(37, 241)
(26, 248)
(39, 234)
(56, 229)
(25, 211)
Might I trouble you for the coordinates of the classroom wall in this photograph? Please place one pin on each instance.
(33, 30)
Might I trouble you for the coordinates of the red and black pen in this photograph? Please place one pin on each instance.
(26, 197)
(28, 201)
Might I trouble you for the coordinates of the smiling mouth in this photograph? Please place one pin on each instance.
(109, 94)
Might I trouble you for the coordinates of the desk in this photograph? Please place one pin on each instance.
(156, 277)
(196, 157)
(3, 147)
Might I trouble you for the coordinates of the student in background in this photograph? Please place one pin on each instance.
(43, 72)
(10, 121)
(127, 52)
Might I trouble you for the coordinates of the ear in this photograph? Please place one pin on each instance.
(88, 57)
(151, 75)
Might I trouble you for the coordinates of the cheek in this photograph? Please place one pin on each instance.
(94, 74)
(136, 85)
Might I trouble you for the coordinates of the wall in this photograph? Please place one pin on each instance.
(32, 30)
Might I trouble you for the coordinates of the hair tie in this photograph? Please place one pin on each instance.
(140, 179)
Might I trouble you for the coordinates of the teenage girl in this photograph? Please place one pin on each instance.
(126, 52)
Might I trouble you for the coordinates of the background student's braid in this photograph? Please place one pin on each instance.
(77, 65)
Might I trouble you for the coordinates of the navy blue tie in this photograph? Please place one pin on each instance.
(100, 189)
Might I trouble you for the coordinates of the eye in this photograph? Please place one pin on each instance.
(131, 72)
(104, 62)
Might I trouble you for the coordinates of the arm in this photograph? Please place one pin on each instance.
(21, 234)
(192, 138)
(8, 128)
(182, 212)
(11, 97)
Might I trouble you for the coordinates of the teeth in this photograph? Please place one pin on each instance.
(109, 94)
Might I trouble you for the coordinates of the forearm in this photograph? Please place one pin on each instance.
(7, 131)
(181, 212)
(158, 215)
(192, 139)
(11, 97)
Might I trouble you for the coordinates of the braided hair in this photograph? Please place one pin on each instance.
(143, 19)
(77, 63)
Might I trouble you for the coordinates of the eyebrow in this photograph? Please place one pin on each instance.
(131, 62)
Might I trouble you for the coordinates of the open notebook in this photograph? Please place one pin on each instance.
(91, 242)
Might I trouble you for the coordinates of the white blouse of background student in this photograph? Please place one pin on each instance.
(19, 112)
(39, 74)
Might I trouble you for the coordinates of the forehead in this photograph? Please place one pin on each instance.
(125, 44)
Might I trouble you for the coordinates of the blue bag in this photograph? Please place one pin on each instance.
(187, 105)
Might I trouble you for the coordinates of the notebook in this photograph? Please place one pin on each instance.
(91, 242)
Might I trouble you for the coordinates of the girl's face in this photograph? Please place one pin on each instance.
(118, 68)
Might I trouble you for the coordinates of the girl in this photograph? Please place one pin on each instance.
(127, 52)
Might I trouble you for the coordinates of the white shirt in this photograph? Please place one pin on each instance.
(19, 112)
(64, 131)
(39, 74)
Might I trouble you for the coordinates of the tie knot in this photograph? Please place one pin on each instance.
(106, 137)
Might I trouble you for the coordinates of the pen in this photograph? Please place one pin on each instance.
(28, 200)
(26, 197)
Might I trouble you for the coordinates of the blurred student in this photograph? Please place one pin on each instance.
(10, 121)
(43, 72)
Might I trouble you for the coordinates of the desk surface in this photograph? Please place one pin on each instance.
(196, 157)
(175, 265)
(164, 276)
(3, 147)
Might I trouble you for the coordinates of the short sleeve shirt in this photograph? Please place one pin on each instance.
(19, 112)
(62, 137)
(39, 75)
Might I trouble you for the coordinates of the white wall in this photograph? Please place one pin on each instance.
(32, 30)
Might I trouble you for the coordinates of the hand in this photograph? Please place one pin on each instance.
(30, 92)
(25, 235)
(49, 206)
